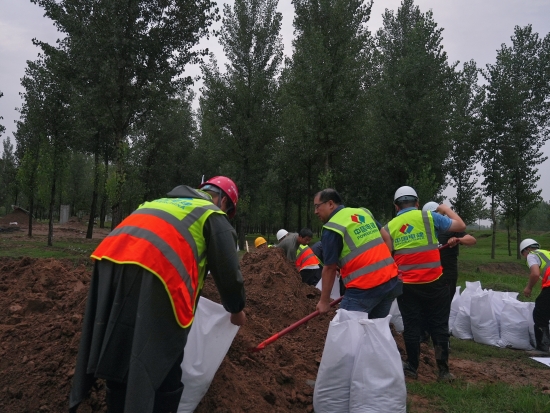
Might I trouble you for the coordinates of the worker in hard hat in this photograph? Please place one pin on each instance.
(449, 256)
(425, 296)
(260, 243)
(147, 279)
(538, 261)
(355, 242)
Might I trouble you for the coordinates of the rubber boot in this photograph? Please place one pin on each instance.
(167, 402)
(410, 367)
(542, 337)
(442, 360)
(115, 399)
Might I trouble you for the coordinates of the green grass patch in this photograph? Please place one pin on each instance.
(36, 247)
(464, 397)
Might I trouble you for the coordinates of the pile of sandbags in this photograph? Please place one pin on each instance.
(489, 317)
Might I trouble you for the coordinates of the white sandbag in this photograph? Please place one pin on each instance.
(530, 307)
(335, 292)
(396, 318)
(498, 302)
(209, 340)
(455, 305)
(462, 326)
(332, 386)
(514, 325)
(377, 380)
(483, 321)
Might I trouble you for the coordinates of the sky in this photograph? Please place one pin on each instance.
(473, 29)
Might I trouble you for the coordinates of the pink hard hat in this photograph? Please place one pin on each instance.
(227, 186)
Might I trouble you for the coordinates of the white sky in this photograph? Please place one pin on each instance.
(472, 30)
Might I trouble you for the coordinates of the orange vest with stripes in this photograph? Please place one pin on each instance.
(166, 238)
(415, 246)
(365, 261)
(305, 257)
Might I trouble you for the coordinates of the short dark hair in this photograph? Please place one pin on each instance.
(406, 204)
(305, 232)
(329, 194)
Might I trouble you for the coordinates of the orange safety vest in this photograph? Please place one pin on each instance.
(305, 257)
(415, 246)
(165, 238)
(365, 261)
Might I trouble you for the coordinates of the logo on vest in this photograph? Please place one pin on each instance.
(364, 230)
(406, 229)
(360, 219)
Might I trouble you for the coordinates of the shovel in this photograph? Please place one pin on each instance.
(281, 333)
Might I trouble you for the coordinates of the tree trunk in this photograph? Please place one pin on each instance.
(93, 207)
(31, 212)
(518, 237)
(52, 203)
(509, 240)
(493, 218)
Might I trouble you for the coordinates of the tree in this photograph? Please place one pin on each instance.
(2, 127)
(128, 56)
(518, 90)
(9, 189)
(465, 139)
(410, 103)
(238, 108)
(323, 93)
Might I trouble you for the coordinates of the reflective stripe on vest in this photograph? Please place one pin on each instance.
(415, 246)
(365, 261)
(305, 257)
(544, 267)
(165, 237)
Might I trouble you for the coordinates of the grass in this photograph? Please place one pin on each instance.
(463, 397)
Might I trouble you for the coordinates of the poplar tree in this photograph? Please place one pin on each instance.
(238, 109)
(409, 104)
(518, 116)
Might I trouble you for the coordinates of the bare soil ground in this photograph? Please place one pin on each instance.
(41, 306)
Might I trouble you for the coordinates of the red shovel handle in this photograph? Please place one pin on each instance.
(291, 327)
(442, 247)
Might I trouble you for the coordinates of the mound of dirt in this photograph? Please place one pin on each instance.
(42, 302)
(16, 218)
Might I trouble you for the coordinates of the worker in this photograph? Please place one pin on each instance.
(307, 263)
(260, 243)
(147, 279)
(449, 255)
(290, 241)
(353, 241)
(537, 262)
(425, 295)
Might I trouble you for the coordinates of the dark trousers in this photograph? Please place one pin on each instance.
(425, 302)
(450, 275)
(311, 276)
(541, 312)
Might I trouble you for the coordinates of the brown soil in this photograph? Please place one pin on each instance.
(41, 306)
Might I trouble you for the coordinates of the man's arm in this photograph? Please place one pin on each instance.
(457, 225)
(467, 240)
(223, 263)
(533, 279)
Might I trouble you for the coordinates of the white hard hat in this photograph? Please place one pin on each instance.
(528, 242)
(405, 191)
(430, 206)
(281, 234)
